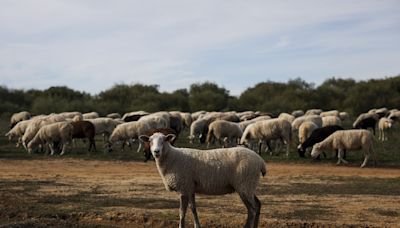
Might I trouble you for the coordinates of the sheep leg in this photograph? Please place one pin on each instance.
(365, 160)
(192, 204)
(258, 210)
(64, 147)
(182, 210)
(259, 147)
(140, 147)
(51, 146)
(251, 209)
(341, 156)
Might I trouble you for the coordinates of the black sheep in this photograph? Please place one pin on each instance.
(318, 135)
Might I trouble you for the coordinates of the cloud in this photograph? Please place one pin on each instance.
(91, 45)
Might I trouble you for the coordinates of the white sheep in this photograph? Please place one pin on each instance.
(35, 125)
(246, 123)
(90, 115)
(114, 115)
(305, 130)
(313, 112)
(128, 131)
(383, 125)
(17, 117)
(18, 131)
(299, 120)
(394, 115)
(211, 172)
(198, 114)
(330, 121)
(330, 113)
(287, 116)
(298, 113)
(267, 130)
(224, 130)
(196, 129)
(347, 140)
(55, 132)
(344, 116)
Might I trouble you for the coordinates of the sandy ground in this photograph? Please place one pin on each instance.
(86, 193)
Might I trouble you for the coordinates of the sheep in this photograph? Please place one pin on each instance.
(36, 124)
(114, 115)
(90, 115)
(133, 116)
(84, 129)
(298, 113)
(146, 145)
(211, 172)
(394, 115)
(17, 117)
(313, 112)
(287, 116)
(222, 129)
(305, 130)
(366, 123)
(344, 116)
(197, 115)
(363, 116)
(317, 136)
(347, 140)
(246, 123)
(175, 122)
(299, 120)
(383, 125)
(18, 131)
(104, 125)
(199, 129)
(381, 112)
(329, 113)
(130, 131)
(187, 119)
(51, 133)
(267, 130)
(330, 121)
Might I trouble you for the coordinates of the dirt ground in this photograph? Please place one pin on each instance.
(66, 192)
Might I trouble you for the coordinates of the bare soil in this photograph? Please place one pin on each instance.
(66, 192)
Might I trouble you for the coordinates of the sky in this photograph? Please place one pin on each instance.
(91, 45)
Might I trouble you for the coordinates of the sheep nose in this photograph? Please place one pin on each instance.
(156, 151)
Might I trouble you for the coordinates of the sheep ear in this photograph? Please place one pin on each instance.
(170, 138)
(144, 138)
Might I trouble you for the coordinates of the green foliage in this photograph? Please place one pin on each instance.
(334, 93)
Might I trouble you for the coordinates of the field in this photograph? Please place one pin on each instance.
(118, 190)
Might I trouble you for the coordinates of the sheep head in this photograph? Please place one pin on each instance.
(156, 142)
(316, 150)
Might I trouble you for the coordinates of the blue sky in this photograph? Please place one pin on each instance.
(90, 45)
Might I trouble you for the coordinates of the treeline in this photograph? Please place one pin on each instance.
(343, 94)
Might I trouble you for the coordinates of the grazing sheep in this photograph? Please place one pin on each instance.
(367, 123)
(104, 125)
(246, 123)
(133, 116)
(17, 117)
(305, 130)
(383, 125)
(186, 120)
(146, 145)
(313, 112)
(317, 136)
(267, 130)
(197, 115)
(347, 140)
(128, 131)
(394, 115)
(329, 113)
(84, 129)
(114, 115)
(330, 121)
(36, 124)
(52, 133)
(363, 116)
(18, 131)
(211, 172)
(287, 117)
(298, 113)
(381, 112)
(223, 130)
(90, 115)
(299, 120)
(344, 116)
(175, 122)
(198, 128)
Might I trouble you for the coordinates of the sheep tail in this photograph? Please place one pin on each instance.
(263, 169)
